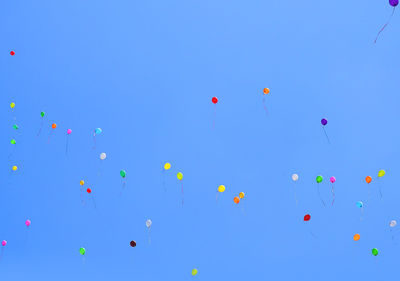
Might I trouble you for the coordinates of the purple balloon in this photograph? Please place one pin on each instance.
(324, 121)
(394, 3)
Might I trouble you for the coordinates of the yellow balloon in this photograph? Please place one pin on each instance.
(194, 271)
(381, 173)
(167, 166)
(12, 105)
(179, 176)
(14, 168)
(221, 188)
(82, 182)
(241, 195)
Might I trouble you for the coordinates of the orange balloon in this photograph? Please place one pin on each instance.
(236, 200)
(356, 237)
(368, 179)
(54, 125)
(266, 91)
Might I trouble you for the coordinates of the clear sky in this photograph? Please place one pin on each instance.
(145, 72)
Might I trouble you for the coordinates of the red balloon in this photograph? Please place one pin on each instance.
(12, 53)
(214, 100)
(307, 217)
(89, 190)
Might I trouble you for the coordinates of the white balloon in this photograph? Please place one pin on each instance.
(148, 223)
(103, 156)
(393, 223)
(295, 177)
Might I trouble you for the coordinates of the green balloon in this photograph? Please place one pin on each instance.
(13, 141)
(122, 173)
(16, 127)
(375, 251)
(82, 251)
(319, 179)
(42, 113)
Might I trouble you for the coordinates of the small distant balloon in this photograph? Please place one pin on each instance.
(15, 126)
(42, 114)
(103, 155)
(359, 204)
(12, 105)
(214, 100)
(295, 177)
(221, 188)
(82, 251)
(393, 223)
(4, 242)
(236, 200)
(13, 141)
(98, 131)
(324, 122)
(319, 179)
(368, 179)
(14, 168)
(356, 237)
(54, 125)
(375, 251)
(81, 182)
(27, 222)
(12, 53)
(179, 175)
(381, 173)
(89, 190)
(332, 179)
(194, 271)
(307, 217)
(133, 244)
(149, 223)
(266, 91)
(69, 131)
(241, 195)
(122, 173)
(167, 166)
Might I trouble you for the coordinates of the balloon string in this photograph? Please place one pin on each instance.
(265, 106)
(319, 194)
(94, 141)
(215, 116)
(163, 181)
(48, 139)
(384, 26)
(82, 200)
(12, 152)
(40, 129)
(182, 195)
(333, 195)
(94, 202)
(295, 195)
(326, 135)
(2, 253)
(66, 146)
(149, 236)
(380, 191)
(362, 213)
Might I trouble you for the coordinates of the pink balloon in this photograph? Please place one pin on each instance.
(28, 222)
(69, 131)
(4, 242)
(332, 179)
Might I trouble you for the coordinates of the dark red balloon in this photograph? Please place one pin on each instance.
(214, 100)
(133, 243)
(12, 53)
(307, 217)
(89, 190)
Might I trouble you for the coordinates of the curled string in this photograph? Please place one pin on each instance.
(384, 26)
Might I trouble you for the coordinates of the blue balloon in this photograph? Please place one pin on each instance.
(359, 204)
(98, 131)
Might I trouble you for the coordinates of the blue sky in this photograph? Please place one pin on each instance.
(145, 72)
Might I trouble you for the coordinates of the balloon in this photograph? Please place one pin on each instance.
(214, 100)
(393, 223)
(236, 200)
(319, 179)
(179, 175)
(368, 179)
(14, 168)
(82, 251)
(103, 155)
(15, 127)
(13, 141)
(149, 223)
(356, 237)
(12, 105)
(266, 91)
(27, 222)
(375, 251)
(69, 131)
(194, 271)
(42, 113)
(54, 125)
(324, 122)
(122, 173)
(381, 173)
(241, 195)
(82, 182)
(332, 179)
(360, 204)
(295, 177)
(98, 131)
(133, 244)
(394, 3)
(88, 190)
(12, 53)
(4, 242)
(221, 188)
(167, 166)
(307, 217)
